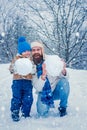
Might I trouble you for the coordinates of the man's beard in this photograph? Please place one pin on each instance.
(37, 58)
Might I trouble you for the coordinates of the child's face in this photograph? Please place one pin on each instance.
(26, 54)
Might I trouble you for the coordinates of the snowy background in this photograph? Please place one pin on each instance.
(77, 106)
(60, 24)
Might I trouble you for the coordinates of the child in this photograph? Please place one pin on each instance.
(22, 97)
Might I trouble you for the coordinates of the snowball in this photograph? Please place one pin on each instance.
(54, 65)
(77, 108)
(2, 108)
(3, 34)
(53, 49)
(23, 66)
(77, 34)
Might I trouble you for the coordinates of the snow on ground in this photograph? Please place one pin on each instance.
(77, 106)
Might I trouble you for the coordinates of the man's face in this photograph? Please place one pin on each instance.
(37, 54)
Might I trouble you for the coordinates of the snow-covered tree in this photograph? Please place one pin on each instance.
(60, 24)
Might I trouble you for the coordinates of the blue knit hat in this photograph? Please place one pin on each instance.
(23, 45)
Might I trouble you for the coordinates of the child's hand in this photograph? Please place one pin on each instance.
(44, 71)
(64, 68)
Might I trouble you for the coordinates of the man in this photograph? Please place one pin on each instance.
(45, 83)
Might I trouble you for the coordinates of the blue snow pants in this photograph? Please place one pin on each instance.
(61, 93)
(22, 96)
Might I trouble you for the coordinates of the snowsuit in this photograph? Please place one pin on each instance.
(22, 97)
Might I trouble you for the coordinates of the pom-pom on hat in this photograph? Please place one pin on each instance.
(23, 45)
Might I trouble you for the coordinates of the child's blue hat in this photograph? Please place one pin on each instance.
(23, 45)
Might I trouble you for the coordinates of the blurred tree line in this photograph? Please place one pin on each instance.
(60, 24)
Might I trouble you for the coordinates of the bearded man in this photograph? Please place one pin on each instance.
(49, 87)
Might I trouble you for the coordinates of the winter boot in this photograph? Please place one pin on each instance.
(15, 115)
(25, 116)
(62, 111)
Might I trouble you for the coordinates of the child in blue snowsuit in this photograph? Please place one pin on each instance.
(22, 97)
